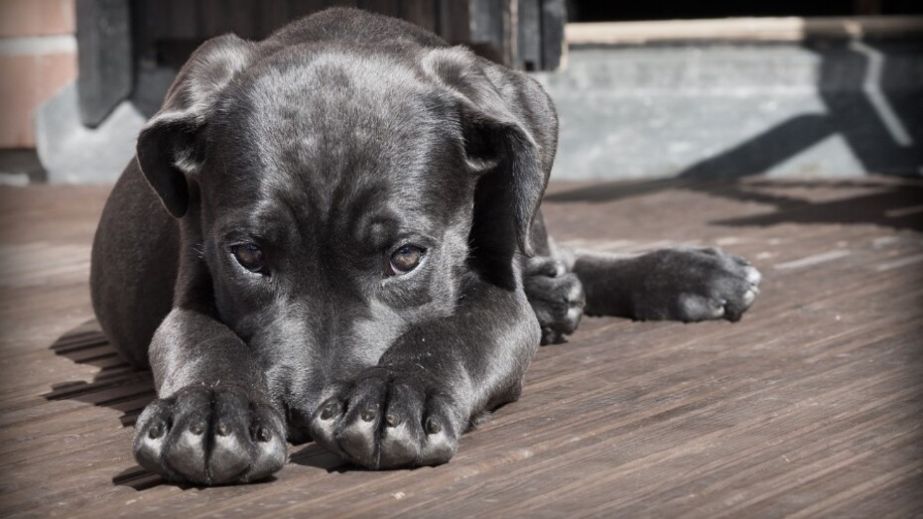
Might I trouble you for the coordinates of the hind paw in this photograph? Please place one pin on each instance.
(695, 285)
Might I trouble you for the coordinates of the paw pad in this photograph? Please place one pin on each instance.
(201, 436)
(388, 419)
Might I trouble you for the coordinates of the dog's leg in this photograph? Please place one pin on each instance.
(682, 284)
(214, 422)
(432, 382)
(556, 296)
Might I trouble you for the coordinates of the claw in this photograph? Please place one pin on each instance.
(329, 411)
(753, 276)
(432, 426)
(156, 431)
(368, 415)
(749, 296)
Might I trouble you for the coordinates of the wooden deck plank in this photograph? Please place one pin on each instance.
(810, 406)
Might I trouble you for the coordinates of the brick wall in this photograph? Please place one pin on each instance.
(38, 56)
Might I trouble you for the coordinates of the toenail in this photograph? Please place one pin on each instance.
(432, 426)
(222, 429)
(156, 431)
(263, 434)
(368, 415)
(197, 428)
(393, 420)
(329, 411)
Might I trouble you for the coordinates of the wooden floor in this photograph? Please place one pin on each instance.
(811, 406)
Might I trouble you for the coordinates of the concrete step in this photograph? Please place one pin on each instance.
(721, 109)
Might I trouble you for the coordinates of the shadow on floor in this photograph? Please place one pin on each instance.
(894, 205)
(116, 385)
(869, 101)
(313, 455)
(140, 479)
(899, 207)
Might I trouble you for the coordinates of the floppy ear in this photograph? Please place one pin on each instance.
(496, 107)
(170, 146)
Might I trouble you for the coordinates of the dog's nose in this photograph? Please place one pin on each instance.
(296, 422)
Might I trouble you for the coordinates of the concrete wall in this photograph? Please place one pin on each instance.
(834, 108)
(826, 106)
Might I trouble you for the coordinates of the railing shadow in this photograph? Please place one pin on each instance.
(885, 202)
(117, 385)
(882, 127)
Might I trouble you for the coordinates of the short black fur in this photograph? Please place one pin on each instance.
(326, 148)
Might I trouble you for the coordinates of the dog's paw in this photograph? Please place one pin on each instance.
(389, 418)
(695, 285)
(210, 437)
(556, 296)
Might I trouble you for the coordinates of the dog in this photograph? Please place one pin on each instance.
(334, 235)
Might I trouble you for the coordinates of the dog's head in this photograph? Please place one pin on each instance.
(331, 198)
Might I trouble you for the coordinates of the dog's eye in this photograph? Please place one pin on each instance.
(249, 255)
(406, 259)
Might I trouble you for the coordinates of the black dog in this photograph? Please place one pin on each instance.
(351, 251)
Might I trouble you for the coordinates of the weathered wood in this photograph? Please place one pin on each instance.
(529, 28)
(272, 15)
(104, 57)
(554, 17)
(453, 24)
(488, 22)
(420, 12)
(810, 406)
(385, 7)
(785, 29)
(223, 16)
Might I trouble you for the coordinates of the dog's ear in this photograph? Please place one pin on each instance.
(170, 145)
(499, 142)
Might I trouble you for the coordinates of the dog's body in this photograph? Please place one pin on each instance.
(351, 251)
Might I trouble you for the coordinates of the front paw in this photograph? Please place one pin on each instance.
(556, 297)
(695, 285)
(210, 437)
(388, 418)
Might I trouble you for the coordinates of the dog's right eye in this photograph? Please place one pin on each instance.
(249, 255)
(406, 259)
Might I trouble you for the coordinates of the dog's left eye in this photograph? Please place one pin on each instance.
(405, 259)
(249, 255)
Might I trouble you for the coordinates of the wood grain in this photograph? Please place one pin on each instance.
(810, 406)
